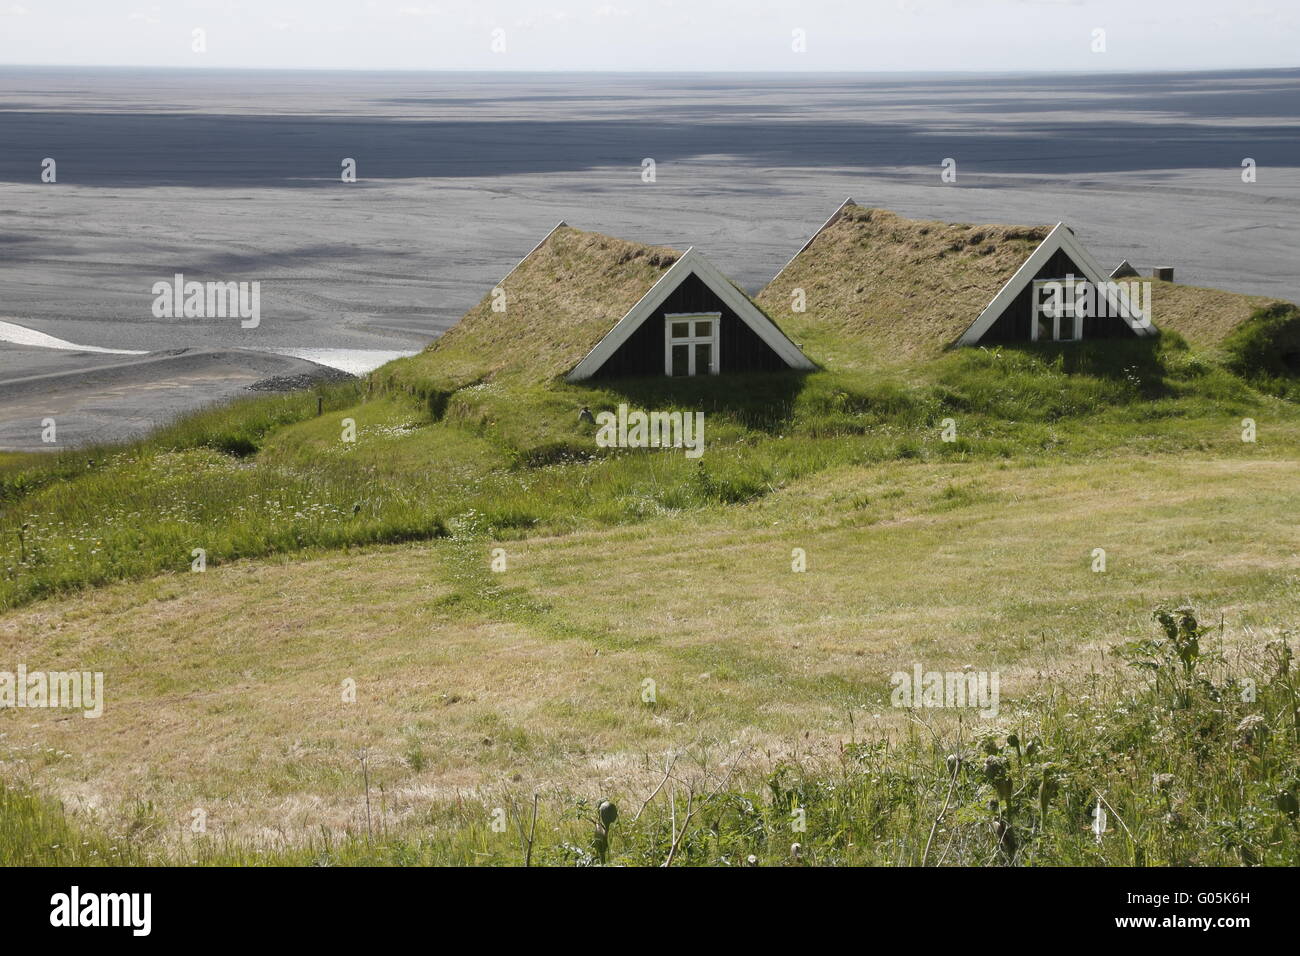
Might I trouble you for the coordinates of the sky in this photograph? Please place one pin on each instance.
(661, 35)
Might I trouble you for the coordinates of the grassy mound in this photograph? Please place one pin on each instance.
(880, 289)
(558, 303)
(1204, 317)
(893, 289)
(1266, 348)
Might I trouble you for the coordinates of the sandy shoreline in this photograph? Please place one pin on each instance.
(95, 398)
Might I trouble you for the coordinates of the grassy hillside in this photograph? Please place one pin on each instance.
(475, 688)
(269, 476)
(356, 545)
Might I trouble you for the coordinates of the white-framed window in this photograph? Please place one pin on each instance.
(691, 343)
(1054, 316)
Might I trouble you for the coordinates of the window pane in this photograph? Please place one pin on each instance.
(681, 330)
(1067, 298)
(681, 356)
(703, 329)
(1044, 327)
(703, 359)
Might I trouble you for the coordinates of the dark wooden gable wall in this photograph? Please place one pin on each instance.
(740, 348)
(1013, 324)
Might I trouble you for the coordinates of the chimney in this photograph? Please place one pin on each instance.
(1163, 273)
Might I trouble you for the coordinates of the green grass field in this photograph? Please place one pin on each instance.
(368, 564)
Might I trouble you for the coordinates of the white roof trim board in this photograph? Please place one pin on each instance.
(848, 201)
(1060, 238)
(691, 262)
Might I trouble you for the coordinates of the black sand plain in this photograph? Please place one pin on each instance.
(234, 176)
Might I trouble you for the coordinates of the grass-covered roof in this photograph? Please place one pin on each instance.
(878, 288)
(1202, 316)
(879, 285)
(559, 302)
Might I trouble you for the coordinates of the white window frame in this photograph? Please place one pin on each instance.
(712, 339)
(1070, 288)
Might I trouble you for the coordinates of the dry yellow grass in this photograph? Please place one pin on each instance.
(224, 689)
(903, 288)
(559, 302)
(880, 287)
(1202, 316)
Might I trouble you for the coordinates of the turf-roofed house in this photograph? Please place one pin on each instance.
(582, 305)
(908, 288)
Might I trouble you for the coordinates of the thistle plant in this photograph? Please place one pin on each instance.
(1173, 658)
